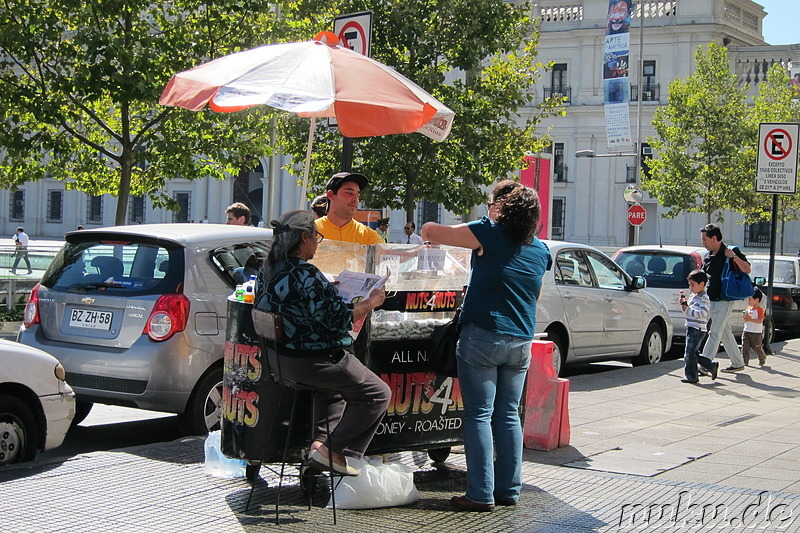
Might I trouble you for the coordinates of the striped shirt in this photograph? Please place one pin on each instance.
(698, 310)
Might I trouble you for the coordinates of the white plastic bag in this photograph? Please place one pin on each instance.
(217, 464)
(378, 485)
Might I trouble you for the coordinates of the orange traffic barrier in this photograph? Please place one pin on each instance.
(546, 422)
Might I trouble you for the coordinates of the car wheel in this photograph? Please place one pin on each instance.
(652, 347)
(18, 433)
(558, 351)
(82, 410)
(439, 455)
(204, 411)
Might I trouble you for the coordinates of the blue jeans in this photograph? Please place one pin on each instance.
(491, 371)
(720, 331)
(694, 338)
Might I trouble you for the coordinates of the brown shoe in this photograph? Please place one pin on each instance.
(462, 502)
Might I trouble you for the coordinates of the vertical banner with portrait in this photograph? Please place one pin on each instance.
(616, 84)
(794, 78)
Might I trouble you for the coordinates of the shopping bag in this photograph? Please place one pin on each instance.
(217, 464)
(442, 347)
(736, 285)
(378, 485)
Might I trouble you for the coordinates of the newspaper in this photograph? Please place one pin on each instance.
(354, 287)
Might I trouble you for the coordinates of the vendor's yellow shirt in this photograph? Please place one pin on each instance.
(353, 231)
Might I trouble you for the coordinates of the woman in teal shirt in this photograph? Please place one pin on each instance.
(498, 320)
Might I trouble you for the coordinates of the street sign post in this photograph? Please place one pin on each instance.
(636, 215)
(777, 158)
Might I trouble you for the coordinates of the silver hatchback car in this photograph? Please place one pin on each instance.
(137, 314)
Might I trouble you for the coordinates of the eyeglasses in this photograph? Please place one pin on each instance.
(407, 227)
(320, 237)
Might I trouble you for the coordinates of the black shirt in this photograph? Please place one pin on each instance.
(713, 264)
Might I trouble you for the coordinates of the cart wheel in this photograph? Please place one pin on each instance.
(251, 471)
(439, 455)
(309, 480)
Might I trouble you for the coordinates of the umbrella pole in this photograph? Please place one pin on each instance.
(311, 130)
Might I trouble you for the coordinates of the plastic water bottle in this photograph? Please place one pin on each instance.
(250, 290)
(249, 294)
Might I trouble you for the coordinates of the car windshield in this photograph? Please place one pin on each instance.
(662, 270)
(784, 270)
(116, 268)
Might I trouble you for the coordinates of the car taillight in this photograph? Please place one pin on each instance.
(168, 317)
(782, 299)
(32, 307)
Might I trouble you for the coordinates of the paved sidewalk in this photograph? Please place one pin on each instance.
(743, 430)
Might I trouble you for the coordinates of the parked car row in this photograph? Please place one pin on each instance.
(137, 314)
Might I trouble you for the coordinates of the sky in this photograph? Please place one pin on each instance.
(781, 25)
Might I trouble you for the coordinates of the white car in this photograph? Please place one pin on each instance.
(665, 268)
(592, 310)
(36, 403)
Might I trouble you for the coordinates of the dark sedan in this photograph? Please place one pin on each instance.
(785, 288)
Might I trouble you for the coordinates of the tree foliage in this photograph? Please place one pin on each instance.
(80, 81)
(478, 58)
(703, 147)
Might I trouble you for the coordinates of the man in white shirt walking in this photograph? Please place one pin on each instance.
(21, 241)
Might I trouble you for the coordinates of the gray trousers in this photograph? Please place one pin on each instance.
(357, 398)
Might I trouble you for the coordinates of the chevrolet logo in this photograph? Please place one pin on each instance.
(87, 300)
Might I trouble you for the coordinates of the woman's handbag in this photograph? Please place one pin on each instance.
(736, 285)
(442, 347)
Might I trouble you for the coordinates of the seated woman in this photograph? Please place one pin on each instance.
(316, 322)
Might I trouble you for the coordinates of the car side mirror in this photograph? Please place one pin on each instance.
(759, 281)
(638, 282)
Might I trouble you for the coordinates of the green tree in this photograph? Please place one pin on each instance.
(776, 102)
(703, 142)
(80, 82)
(478, 58)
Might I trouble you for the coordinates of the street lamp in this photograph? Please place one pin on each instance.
(591, 153)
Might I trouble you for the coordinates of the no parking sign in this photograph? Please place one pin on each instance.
(355, 31)
(777, 158)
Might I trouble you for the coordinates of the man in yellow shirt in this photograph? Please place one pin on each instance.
(344, 193)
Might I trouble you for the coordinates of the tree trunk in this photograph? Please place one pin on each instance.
(124, 189)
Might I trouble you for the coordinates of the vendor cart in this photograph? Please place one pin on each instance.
(424, 289)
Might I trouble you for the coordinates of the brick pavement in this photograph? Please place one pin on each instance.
(747, 423)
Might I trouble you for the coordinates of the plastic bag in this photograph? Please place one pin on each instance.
(217, 464)
(378, 485)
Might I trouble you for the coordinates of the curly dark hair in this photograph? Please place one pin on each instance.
(517, 210)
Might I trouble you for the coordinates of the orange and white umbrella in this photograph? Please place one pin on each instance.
(314, 79)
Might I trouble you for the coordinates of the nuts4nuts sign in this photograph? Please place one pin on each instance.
(777, 158)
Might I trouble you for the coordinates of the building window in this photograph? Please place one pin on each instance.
(94, 211)
(757, 235)
(184, 200)
(559, 77)
(55, 205)
(16, 211)
(136, 209)
(558, 83)
(559, 168)
(558, 218)
(428, 212)
(630, 173)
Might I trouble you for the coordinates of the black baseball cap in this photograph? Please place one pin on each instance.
(337, 180)
(383, 221)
